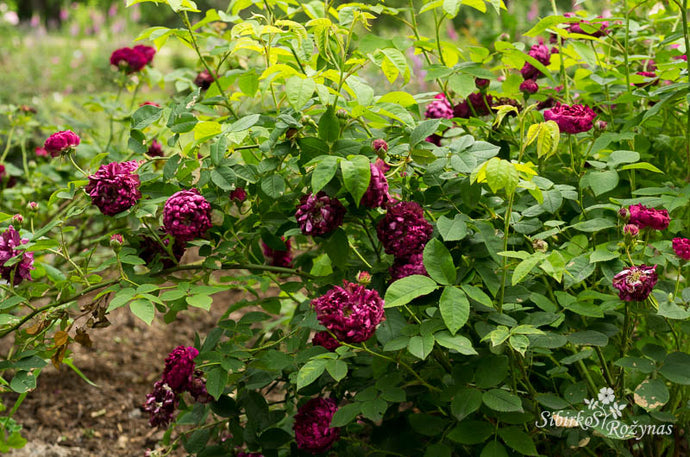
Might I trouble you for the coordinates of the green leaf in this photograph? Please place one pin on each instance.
(356, 176)
(471, 432)
(374, 409)
(452, 229)
(502, 400)
(337, 369)
(421, 346)
(298, 91)
(143, 309)
(423, 130)
(547, 139)
(329, 126)
(439, 263)
(23, 381)
(494, 449)
(346, 414)
(200, 301)
(244, 123)
(677, 368)
(478, 295)
(518, 440)
(454, 307)
(652, 394)
(215, 382)
(273, 186)
(618, 157)
(523, 268)
(224, 177)
(145, 116)
(457, 342)
(466, 401)
(323, 173)
(501, 174)
(588, 338)
(595, 225)
(601, 181)
(641, 166)
(310, 372)
(404, 290)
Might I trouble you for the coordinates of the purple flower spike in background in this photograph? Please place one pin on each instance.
(313, 432)
(635, 283)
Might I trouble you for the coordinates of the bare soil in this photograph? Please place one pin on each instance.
(66, 417)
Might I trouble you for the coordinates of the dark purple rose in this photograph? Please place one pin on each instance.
(403, 231)
(480, 103)
(151, 250)
(21, 270)
(439, 108)
(179, 368)
(115, 187)
(147, 51)
(434, 139)
(249, 454)
(577, 27)
(571, 119)
(408, 266)
(313, 431)
(61, 143)
(529, 86)
(187, 215)
(238, 195)
(150, 103)
(542, 54)
(635, 283)
(161, 404)
(319, 214)
(481, 83)
(325, 340)
(377, 192)
(647, 74)
(155, 149)
(351, 312)
(643, 217)
(276, 257)
(462, 110)
(128, 59)
(379, 145)
(197, 387)
(204, 80)
(681, 246)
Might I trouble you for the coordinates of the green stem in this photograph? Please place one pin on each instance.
(604, 366)
(506, 232)
(7, 146)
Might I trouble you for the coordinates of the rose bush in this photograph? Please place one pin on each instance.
(426, 273)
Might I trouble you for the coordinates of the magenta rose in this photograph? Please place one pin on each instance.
(187, 215)
(403, 231)
(571, 119)
(681, 246)
(161, 405)
(129, 60)
(179, 368)
(204, 80)
(635, 283)
(643, 217)
(319, 214)
(313, 431)
(61, 143)
(324, 339)
(351, 312)
(147, 51)
(440, 108)
(376, 194)
(115, 187)
(21, 270)
(277, 257)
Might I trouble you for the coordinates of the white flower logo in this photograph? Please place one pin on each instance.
(617, 410)
(591, 404)
(606, 395)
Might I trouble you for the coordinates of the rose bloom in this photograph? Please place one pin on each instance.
(160, 404)
(187, 215)
(408, 266)
(155, 149)
(61, 143)
(542, 54)
(146, 51)
(351, 312)
(377, 192)
(204, 80)
(277, 257)
(238, 195)
(643, 217)
(129, 60)
(681, 246)
(403, 231)
(635, 283)
(319, 214)
(9, 240)
(529, 86)
(439, 108)
(115, 187)
(571, 119)
(313, 432)
(179, 368)
(324, 339)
